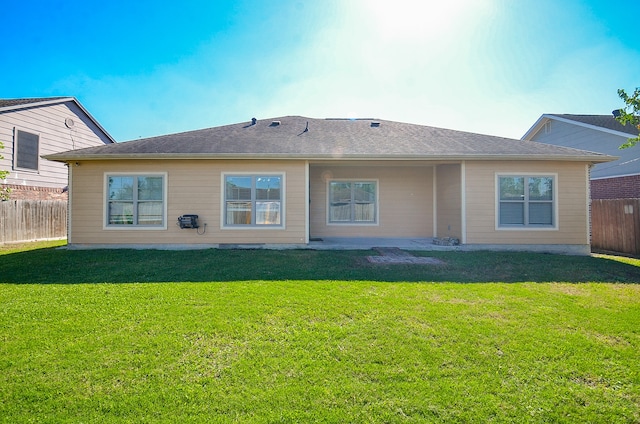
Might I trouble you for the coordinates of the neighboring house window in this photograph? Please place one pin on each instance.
(26, 147)
(136, 200)
(253, 200)
(526, 201)
(352, 202)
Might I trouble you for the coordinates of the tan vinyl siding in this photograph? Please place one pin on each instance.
(571, 198)
(405, 200)
(448, 202)
(194, 187)
(49, 123)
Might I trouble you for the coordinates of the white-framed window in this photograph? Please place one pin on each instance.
(26, 150)
(136, 200)
(353, 202)
(253, 200)
(526, 201)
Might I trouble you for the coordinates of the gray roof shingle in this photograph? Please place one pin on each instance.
(309, 138)
(8, 103)
(602, 121)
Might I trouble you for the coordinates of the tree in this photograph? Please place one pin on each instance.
(630, 114)
(4, 191)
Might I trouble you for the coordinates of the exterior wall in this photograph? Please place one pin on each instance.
(49, 123)
(627, 187)
(579, 137)
(449, 201)
(36, 193)
(405, 202)
(405, 199)
(571, 198)
(193, 187)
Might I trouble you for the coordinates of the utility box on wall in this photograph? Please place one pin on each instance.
(188, 221)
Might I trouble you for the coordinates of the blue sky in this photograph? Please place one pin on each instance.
(145, 68)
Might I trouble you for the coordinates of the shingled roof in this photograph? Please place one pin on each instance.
(602, 121)
(292, 137)
(606, 123)
(9, 104)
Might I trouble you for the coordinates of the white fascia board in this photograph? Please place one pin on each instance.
(86, 112)
(546, 117)
(41, 103)
(535, 128)
(56, 101)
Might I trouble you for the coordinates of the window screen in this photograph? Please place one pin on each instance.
(526, 201)
(253, 200)
(352, 201)
(27, 148)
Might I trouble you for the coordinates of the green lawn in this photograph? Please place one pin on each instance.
(303, 336)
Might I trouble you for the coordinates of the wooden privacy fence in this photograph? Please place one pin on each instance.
(25, 220)
(615, 225)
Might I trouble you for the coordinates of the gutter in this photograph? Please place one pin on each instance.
(63, 157)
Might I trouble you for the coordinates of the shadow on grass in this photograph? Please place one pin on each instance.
(51, 265)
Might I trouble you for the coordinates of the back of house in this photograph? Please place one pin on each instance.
(293, 180)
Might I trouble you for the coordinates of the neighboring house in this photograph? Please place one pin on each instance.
(31, 128)
(290, 180)
(596, 133)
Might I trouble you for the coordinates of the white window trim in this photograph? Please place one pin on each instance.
(223, 205)
(105, 206)
(376, 223)
(16, 148)
(556, 201)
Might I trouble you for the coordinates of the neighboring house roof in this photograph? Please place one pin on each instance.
(308, 138)
(601, 133)
(7, 105)
(605, 123)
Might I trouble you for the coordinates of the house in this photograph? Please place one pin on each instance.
(31, 128)
(618, 179)
(289, 180)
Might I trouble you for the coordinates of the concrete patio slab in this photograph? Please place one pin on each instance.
(367, 243)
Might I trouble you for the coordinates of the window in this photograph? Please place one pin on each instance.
(26, 148)
(253, 200)
(136, 200)
(352, 202)
(526, 201)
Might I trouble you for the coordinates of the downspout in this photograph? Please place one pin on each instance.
(463, 203)
(435, 201)
(588, 167)
(69, 200)
(307, 203)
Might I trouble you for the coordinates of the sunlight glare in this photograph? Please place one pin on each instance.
(411, 19)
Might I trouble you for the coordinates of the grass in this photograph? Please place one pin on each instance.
(265, 336)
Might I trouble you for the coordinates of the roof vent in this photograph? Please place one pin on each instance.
(274, 123)
(253, 121)
(375, 124)
(616, 113)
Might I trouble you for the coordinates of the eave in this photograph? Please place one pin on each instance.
(70, 157)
